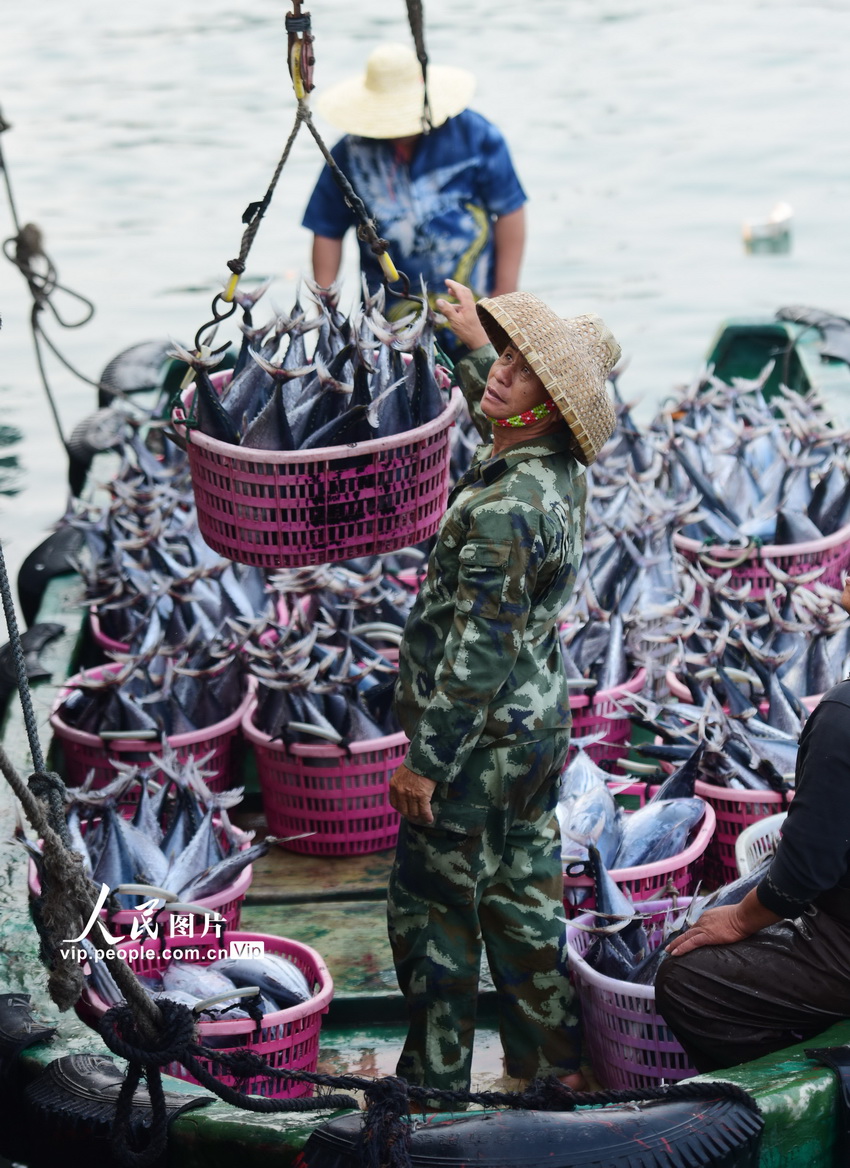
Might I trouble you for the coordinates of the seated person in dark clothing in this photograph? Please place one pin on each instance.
(751, 978)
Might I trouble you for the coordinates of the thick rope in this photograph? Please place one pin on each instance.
(416, 20)
(255, 211)
(20, 666)
(385, 1138)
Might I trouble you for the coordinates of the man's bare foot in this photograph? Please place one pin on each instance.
(576, 1081)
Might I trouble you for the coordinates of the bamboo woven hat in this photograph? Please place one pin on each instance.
(386, 101)
(572, 357)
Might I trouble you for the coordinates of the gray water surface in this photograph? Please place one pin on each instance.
(645, 132)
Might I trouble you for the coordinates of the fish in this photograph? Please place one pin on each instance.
(614, 953)
(593, 819)
(210, 415)
(657, 831)
(336, 395)
(185, 844)
(275, 975)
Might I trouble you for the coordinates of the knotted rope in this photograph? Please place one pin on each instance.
(384, 1141)
(25, 249)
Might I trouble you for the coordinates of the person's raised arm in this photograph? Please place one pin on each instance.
(327, 258)
(508, 244)
(471, 371)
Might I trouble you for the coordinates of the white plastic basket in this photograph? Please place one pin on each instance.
(757, 841)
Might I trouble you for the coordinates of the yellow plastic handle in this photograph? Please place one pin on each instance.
(230, 290)
(295, 70)
(389, 268)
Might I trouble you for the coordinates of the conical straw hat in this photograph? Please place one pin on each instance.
(386, 101)
(572, 357)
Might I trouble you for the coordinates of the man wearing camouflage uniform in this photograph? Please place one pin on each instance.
(482, 696)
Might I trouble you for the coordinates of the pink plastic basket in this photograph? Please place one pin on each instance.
(227, 902)
(628, 1041)
(286, 1039)
(340, 795)
(831, 552)
(734, 810)
(84, 752)
(595, 712)
(288, 508)
(646, 881)
(100, 638)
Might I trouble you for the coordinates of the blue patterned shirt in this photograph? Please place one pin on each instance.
(436, 212)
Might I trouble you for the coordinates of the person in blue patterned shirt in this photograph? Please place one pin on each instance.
(448, 202)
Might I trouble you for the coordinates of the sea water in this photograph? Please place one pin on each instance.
(645, 133)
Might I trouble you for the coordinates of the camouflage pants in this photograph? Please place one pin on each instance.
(488, 870)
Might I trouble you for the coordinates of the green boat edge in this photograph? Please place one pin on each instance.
(800, 1100)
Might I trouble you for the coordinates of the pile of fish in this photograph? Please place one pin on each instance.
(745, 668)
(180, 839)
(277, 984)
(157, 694)
(627, 945)
(146, 568)
(743, 753)
(319, 678)
(770, 470)
(637, 601)
(366, 377)
(590, 818)
(793, 644)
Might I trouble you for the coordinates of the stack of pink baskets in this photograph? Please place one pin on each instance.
(286, 1039)
(339, 795)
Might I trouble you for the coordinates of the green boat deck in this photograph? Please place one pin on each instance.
(337, 906)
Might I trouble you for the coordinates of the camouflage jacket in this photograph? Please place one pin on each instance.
(480, 660)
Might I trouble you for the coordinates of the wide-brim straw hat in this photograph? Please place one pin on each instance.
(387, 100)
(572, 357)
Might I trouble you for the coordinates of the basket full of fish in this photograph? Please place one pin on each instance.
(737, 691)
(658, 847)
(250, 991)
(628, 1042)
(773, 480)
(307, 460)
(614, 954)
(179, 848)
(128, 712)
(320, 721)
